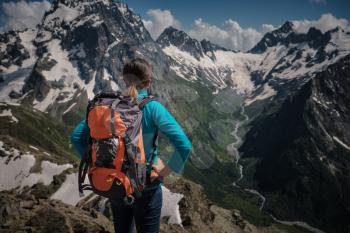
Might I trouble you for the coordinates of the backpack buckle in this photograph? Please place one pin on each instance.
(129, 200)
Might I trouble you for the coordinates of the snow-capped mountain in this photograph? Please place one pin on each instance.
(79, 49)
(291, 58)
(283, 60)
(207, 63)
(172, 36)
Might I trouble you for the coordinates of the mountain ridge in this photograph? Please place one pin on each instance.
(308, 152)
(180, 39)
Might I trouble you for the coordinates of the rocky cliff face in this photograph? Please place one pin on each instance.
(304, 153)
(78, 50)
(198, 49)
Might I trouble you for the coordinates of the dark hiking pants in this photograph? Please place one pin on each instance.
(144, 213)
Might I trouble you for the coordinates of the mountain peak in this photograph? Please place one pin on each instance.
(171, 35)
(180, 39)
(273, 38)
(287, 34)
(285, 28)
(170, 29)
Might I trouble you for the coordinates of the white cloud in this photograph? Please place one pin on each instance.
(159, 21)
(325, 23)
(22, 14)
(318, 1)
(267, 28)
(231, 35)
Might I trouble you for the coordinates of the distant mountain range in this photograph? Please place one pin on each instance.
(293, 86)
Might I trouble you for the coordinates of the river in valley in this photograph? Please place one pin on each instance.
(233, 150)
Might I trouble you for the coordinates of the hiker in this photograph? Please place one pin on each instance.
(145, 211)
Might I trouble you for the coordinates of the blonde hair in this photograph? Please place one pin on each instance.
(132, 92)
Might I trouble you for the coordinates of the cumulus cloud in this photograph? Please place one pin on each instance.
(22, 14)
(231, 35)
(267, 28)
(325, 23)
(159, 21)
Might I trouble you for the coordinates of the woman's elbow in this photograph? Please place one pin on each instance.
(73, 138)
(188, 147)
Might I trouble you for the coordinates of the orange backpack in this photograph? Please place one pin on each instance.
(115, 162)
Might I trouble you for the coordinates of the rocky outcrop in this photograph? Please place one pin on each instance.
(201, 215)
(13, 53)
(198, 214)
(26, 213)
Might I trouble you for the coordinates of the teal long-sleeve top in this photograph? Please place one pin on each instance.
(154, 116)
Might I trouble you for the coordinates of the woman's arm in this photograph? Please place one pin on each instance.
(80, 137)
(167, 124)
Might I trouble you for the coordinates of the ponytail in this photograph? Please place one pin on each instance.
(136, 74)
(132, 92)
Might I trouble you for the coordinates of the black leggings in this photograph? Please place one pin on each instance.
(145, 213)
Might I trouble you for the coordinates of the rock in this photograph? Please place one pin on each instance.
(198, 214)
(26, 204)
(20, 213)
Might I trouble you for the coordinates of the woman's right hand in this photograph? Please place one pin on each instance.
(161, 168)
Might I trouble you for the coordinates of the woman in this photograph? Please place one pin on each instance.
(145, 212)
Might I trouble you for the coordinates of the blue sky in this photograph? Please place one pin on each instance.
(239, 24)
(232, 24)
(249, 13)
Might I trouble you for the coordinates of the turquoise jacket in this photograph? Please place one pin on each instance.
(155, 116)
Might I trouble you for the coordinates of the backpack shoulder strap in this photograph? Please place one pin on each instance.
(142, 103)
(145, 100)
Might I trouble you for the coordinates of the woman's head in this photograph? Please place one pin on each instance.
(136, 75)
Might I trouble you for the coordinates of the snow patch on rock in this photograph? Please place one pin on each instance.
(64, 13)
(229, 66)
(15, 170)
(68, 192)
(62, 72)
(8, 113)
